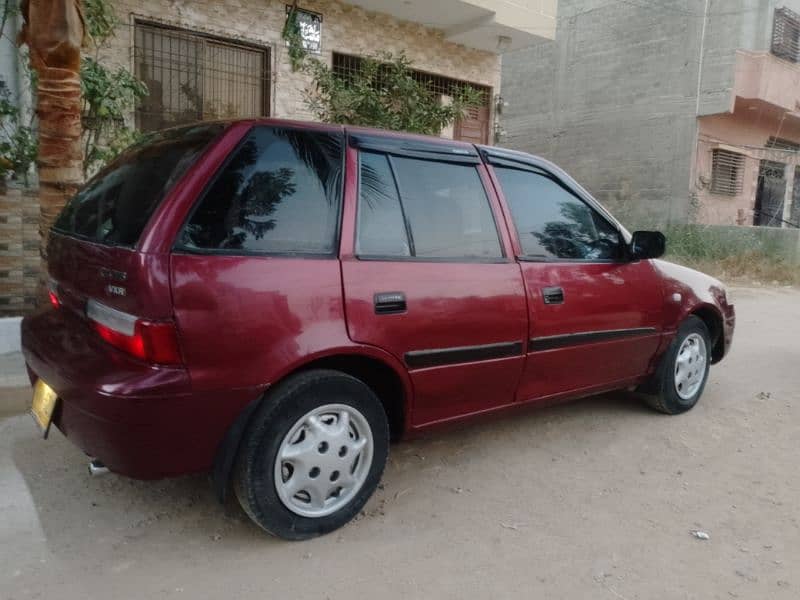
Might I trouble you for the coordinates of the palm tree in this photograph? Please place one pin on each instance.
(54, 32)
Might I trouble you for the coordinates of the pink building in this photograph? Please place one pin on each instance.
(746, 165)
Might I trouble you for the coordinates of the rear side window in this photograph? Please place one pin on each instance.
(552, 222)
(381, 226)
(114, 207)
(279, 194)
(425, 209)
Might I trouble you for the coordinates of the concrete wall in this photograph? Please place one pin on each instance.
(12, 71)
(614, 99)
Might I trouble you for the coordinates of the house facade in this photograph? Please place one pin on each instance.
(668, 112)
(204, 59)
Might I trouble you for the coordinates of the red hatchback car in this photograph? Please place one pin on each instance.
(272, 301)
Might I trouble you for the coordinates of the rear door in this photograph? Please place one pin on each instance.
(427, 273)
(594, 315)
(256, 283)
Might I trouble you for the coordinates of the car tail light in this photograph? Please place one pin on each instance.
(150, 341)
(52, 293)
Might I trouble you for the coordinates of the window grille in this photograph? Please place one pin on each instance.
(192, 77)
(346, 66)
(782, 144)
(727, 172)
(772, 169)
(786, 34)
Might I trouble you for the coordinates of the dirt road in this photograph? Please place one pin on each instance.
(594, 499)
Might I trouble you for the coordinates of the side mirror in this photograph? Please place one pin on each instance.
(647, 244)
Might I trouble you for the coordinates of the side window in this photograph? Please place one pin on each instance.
(279, 193)
(381, 227)
(431, 210)
(552, 222)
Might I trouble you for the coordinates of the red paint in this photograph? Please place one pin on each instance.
(53, 299)
(232, 326)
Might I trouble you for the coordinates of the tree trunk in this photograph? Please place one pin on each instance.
(54, 31)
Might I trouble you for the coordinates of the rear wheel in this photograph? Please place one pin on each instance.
(313, 455)
(684, 369)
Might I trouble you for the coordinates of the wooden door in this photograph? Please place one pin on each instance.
(474, 127)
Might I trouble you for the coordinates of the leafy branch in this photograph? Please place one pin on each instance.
(107, 94)
(294, 39)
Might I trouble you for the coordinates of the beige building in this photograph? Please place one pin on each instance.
(206, 59)
(203, 60)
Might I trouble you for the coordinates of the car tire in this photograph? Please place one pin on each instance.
(683, 371)
(312, 432)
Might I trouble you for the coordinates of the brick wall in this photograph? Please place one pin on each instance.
(19, 250)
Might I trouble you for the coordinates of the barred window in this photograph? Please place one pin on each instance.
(727, 172)
(473, 128)
(786, 34)
(193, 77)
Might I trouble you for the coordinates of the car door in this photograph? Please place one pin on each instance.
(255, 277)
(594, 315)
(427, 273)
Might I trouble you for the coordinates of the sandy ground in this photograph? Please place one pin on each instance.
(594, 499)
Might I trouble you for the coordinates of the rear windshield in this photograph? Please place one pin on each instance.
(114, 207)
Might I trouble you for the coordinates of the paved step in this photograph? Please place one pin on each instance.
(12, 371)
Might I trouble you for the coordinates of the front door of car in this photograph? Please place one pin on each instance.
(428, 276)
(595, 317)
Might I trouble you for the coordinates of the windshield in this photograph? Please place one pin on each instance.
(114, 207)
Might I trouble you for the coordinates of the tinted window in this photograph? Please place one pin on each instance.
(114, 207)
(381, 229)
(279, 193)
(445, 207)
(447, 210)
(554, 223)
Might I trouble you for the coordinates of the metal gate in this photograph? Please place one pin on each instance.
(771, 190)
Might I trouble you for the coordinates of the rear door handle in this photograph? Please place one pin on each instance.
(553, 295)
(390, 303)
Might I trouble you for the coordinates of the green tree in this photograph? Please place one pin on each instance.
(382, 92)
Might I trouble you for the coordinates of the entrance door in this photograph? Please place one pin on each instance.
(429, 280)
(770, 194)
(474, 127)
(595, 318)
(794, 213)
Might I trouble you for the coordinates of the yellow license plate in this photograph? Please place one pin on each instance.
(43, 405)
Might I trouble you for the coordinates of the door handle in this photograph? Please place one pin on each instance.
(553, 295)
(390, 303)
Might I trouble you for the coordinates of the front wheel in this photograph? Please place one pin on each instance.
(313, 455)
(684, 369)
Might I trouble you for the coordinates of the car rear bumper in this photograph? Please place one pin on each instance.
(142, 421)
